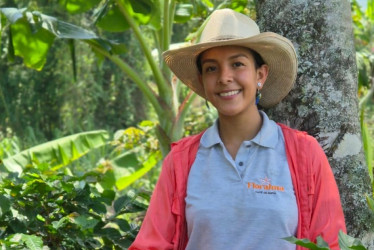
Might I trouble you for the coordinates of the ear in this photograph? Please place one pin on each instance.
(262, 74)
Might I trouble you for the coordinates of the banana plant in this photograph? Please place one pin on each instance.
(31, 34)
(133, 153)
(57, 153)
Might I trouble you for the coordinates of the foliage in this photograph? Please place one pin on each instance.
(43, 105)
(364, 40)
(56, 202)
(60, 210)
(346, 242)
(9, 144)
(57, 153)
(136, 153)
(32, 35)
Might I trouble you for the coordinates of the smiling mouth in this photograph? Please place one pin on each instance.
(230, 93)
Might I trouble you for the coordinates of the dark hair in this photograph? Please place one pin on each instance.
(257, 58)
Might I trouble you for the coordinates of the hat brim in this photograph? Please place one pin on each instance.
(276, 51)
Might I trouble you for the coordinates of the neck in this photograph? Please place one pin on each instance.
(234, 130)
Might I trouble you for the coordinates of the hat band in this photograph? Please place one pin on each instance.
(223, 38)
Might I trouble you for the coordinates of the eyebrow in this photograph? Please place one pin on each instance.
(230, 58)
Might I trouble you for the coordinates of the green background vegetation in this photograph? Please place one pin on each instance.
(84, 127)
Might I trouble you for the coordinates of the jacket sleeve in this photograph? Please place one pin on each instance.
(158, 226)
(327, 217)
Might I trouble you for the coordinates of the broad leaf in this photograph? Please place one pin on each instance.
(183, 13)
(85, 222)
(59, 152)
(121, 203)
(61, 223)
(321, 244)
(370, 10)
(347, 242)
(238, 5)
(78, 6)
(4, 205)
(32, 242)
(152, 161)
(123, 224)
(32, 34)
(31, 42)
(110, 17)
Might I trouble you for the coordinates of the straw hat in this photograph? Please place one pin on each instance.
(227, 27)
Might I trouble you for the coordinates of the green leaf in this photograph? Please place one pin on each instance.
(62, 222)
(12, 14)
(125, 160)
(142, 6)
(17, 226)
(31, 45)
(85, 222)
(368, 149)
(58, 152)
(4, 205)
(32, 242)
(123, 224)
(370, 202)
(108, 232)
(28, 39)
(370, 10)
(321, 244)
(125, 181)
(111, 19)
(108, 196)
(347, 242)
(98, 207)
(39, 217)
(78, 6)
(183, 13)
(120, 203)
(238, 5)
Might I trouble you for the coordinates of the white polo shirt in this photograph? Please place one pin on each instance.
(246, 203)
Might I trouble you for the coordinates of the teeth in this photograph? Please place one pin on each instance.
(234, 92)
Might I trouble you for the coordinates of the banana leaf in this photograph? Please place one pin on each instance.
(125, 181)
(59, 152)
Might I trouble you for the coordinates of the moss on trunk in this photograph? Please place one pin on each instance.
(324, 101)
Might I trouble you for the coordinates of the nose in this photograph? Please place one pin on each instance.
(225, 76)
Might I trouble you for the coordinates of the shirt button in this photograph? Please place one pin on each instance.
(241, 163)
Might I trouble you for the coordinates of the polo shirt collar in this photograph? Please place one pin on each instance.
(266, 137)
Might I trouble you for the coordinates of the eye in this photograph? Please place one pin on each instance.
(208, 69)
(237, 64)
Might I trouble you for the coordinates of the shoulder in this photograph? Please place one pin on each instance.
(297, 136)
(182, 150)
(186, 143)
(300, 143)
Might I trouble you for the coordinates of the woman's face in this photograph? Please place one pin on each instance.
(230, 78)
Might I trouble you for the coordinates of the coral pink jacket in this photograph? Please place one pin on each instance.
(317, 195)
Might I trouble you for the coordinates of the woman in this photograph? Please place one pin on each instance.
(246, 182)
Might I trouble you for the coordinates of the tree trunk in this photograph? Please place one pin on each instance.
(323, 101)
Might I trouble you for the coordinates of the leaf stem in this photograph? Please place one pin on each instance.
(162, 84)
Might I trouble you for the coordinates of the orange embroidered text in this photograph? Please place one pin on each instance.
(267, 187)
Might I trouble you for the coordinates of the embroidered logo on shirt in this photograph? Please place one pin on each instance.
(265, 186)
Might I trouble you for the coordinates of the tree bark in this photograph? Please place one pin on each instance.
(324, 99)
